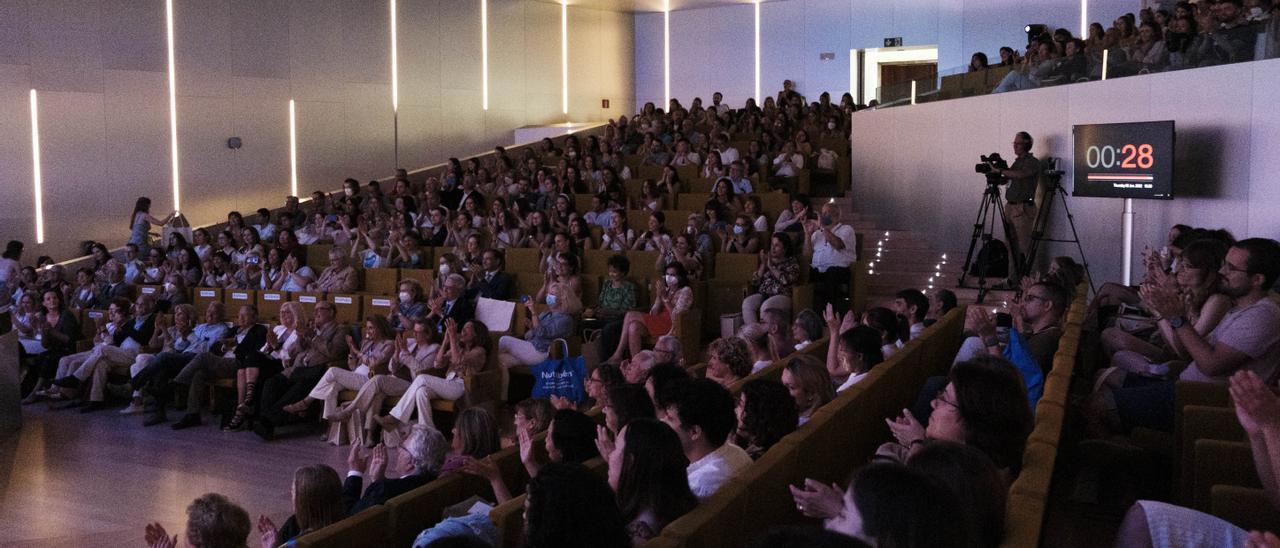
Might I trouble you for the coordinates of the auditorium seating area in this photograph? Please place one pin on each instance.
(701, 267)
(1155, 40)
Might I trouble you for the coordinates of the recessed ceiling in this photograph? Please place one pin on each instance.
(652, 5)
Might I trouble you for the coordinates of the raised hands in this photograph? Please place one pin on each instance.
(1257, 406)
(157, 537)
(979, 321)
(906, 429)
(604, 442)
(270, 534)
(1163, 300)
(377, 462)
(484, 468)
(817, 500)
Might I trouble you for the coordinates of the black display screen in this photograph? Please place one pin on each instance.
(1133, 160)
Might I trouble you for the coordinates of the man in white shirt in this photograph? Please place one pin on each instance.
(834, 249)
(912, 305)
(702, 414)
(716, 104)
(728, 154)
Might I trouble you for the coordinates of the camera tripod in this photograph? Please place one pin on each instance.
(990, 211)
(1055, 190)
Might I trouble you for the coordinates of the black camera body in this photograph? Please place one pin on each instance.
(989, 163)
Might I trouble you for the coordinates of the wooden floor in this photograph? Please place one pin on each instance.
(72, 479)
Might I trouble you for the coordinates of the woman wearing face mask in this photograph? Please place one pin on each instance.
(449, 264)
(173, 292)
(672, 296)
(743, 239)
(410, 305)
(544, 328)
(563, 272)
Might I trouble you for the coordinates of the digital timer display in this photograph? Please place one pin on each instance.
(1132, 160)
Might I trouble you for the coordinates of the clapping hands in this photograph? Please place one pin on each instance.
(906, 429)
(157, 537)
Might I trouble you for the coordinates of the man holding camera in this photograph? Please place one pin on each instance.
(1020, 208)
(832, 245)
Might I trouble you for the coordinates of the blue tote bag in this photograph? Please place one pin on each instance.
(564, 376)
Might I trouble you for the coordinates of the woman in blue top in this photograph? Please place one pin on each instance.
(555, 323)
(140, 223)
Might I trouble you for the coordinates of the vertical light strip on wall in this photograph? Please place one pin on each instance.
(564, 56)
(38, 190)
(395, 63)
(173, 104)
(484, 53)
(1084, 19)
(293, 150)
(666, 52)
(395, 89)
(757, 92)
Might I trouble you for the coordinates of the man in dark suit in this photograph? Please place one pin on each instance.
(492, 283)
(323, 344)
(115, 288)
(221, 362)
(459, 196)
(418, 462)
(453, 304)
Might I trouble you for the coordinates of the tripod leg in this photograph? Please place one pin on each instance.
(1071, 220)
(1038, 229)
(978, 225)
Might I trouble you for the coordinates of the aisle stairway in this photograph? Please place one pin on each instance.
(898, 258)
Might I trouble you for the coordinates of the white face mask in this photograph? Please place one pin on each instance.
(831, 125)
(670, 279)
(168, 286)
(444, 270)
(348, 191)
(405, 296)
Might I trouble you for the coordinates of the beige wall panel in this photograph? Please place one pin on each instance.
(76, 202)
(462, 122)
(202, 47)
(260, 38)
(365, 55)
(421, 34)
(542, 51)
(508, 60)
(315, 49)
(65, 45)
(369, 132)
(321, 145)
(133, 35)
(460, 49)
(15, 34)
(260, 114)
(16, 217)
(420, 139)
(137, 120)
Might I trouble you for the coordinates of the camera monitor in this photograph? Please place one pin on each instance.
(1133, 160)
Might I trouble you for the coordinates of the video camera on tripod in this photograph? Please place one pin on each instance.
(988, 167)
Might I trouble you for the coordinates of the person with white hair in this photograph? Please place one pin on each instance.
(668, 350)
(418, 460)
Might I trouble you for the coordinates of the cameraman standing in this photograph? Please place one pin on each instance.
(1020, 209)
